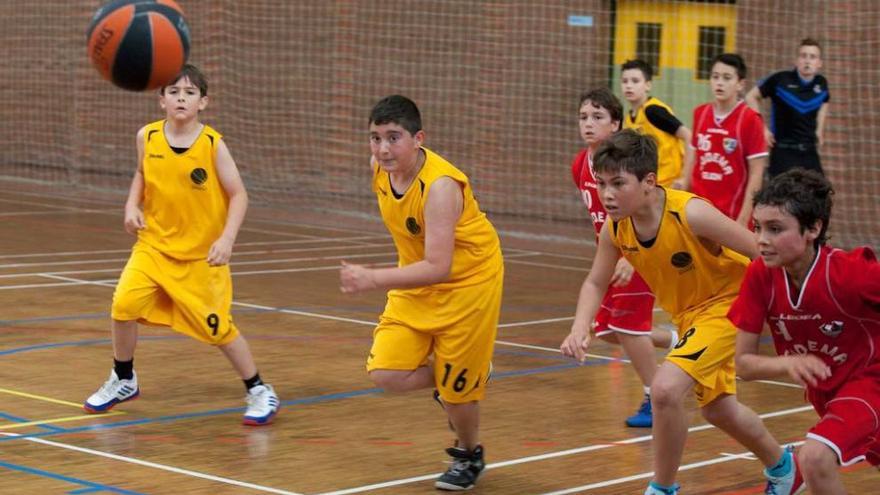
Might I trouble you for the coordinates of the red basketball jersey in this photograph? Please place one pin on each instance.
(723, 147)
(582, 173)
(836, 315)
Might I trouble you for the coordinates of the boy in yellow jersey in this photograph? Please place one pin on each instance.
(654, 118)
(186, 204)
(693, 258)
(444, 297)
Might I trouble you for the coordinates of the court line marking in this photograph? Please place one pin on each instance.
(40, 398)
(723, 457)
(154, 465)
(238, 244)
(561, 453)
(37, 213)
(90, 486)
(12, 426)
(233, 264)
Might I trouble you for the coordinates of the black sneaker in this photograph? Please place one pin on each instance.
(465, 470)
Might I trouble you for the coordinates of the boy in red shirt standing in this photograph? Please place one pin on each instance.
(731, 153)
(627, 311)
(823, 307)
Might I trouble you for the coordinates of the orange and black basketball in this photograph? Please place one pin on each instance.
(138, 44)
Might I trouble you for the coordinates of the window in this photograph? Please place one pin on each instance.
(648, 44)
(711, 44)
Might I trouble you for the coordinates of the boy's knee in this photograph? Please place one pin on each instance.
(664, 393)
(816, 458)
(388, 380)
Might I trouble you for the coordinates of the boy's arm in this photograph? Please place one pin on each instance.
(134, 216)
(753, 100)
(690, 154)
(231, 182)
(687, 170)
(820, 124)
(592, 291)
(707, 222)
(754, 97)
(806, 369)
(757, 166)
(442, 210)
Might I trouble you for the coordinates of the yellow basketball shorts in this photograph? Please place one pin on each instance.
(705, 350)
(191, 297)
(457, 325)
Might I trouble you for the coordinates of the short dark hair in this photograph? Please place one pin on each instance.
(627, 151)
(804, 194)
(810, 42)
(399, 110)
(734, 60)
(195, 76)
(641, 65)
(604, 98)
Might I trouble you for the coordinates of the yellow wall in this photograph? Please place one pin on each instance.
(679, 35)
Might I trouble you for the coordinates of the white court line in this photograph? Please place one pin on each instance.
(154, 465)
(237, 244)
(233, 264)
(568, 452)
(35, 213)
(550, 265)
(724, 457)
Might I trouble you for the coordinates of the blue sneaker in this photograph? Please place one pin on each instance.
(642, 418)
(788, 484)
(655, 489)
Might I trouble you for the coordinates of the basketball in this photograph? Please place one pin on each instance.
(138, 44)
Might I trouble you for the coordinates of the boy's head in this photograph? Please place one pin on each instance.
(186, 95)
(397, 109)
(809, 59)
(396, 134)
(635, 80)
(727, 78)
(791, 214)
(625, 166)
(599, 115)
(192, 74)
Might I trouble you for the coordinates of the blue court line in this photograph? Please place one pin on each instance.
(90, 487)
(23, 420)
(77, 343)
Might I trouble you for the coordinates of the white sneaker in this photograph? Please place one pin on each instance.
(262, 405)
(111, 393)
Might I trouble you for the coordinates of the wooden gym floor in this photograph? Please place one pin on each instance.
(549, 426)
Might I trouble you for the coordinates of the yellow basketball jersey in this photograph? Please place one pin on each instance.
(685, 273)
(670, 149)
(185, 206)
(477, 251)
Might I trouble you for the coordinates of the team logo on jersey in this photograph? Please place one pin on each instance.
(817, 88)
(155, 155)
(412, 226)
(729, 145)
(682, 260)
(832, 329)
(198, 176)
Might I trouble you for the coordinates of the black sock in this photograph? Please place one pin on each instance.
(253, 382)
(124, 369)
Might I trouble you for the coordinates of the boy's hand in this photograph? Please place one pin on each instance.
(807, 369)
(134, 220)
(623, 273)
(220, 252)
(769, 137)
(356, 278)
(576, 343)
